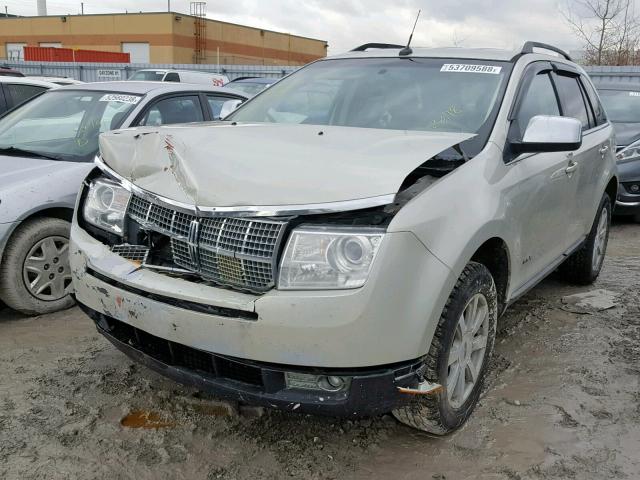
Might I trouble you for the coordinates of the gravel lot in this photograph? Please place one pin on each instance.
(563, 402)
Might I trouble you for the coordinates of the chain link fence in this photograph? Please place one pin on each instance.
(100, 72)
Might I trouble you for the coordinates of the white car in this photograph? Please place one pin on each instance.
(346, 240)
(15, 91)
(47, 147)
(183, 76)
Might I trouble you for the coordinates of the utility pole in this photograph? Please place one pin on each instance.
(81, 8)
(168, 5)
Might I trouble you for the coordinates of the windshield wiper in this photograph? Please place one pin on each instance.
(14, 151)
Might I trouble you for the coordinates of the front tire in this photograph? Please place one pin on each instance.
(583, 266)
(35, 276)
(459, 355)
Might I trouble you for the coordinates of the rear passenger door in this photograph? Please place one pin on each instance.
(588, 162)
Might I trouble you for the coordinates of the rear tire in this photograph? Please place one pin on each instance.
(584, 265)
(35, 276)
(455, 349)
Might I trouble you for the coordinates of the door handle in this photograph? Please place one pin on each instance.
(604, 149)
(572, 167)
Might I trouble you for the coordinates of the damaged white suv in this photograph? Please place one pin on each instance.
(345, 242)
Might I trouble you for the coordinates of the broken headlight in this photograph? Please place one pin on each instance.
(106, 205)
(319, 258)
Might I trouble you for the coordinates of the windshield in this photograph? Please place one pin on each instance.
(441, 95)
(148, 75)
(65, 124)
(621, 106)
(250, 88)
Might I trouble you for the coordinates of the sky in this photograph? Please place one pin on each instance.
(346, 24)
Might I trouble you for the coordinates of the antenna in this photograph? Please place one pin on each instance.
(407, 50)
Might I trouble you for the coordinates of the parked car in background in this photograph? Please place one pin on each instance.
(17, 90)
(58, 80)
(6, 71)
(183, 76)
(345, 241)
(47, 147)
(622, 104)
(251, 85)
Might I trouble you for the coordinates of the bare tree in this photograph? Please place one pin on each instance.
(609, 29)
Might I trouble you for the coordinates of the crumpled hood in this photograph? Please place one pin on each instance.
(225, 165)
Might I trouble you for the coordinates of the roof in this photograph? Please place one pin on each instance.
(143, 88)
(28, 81)
(624, 86)
(163, 12)
(495, 54)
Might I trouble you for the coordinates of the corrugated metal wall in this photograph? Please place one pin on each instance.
(614, 74)
(89, 72)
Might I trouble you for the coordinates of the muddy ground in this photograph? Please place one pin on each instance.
(563, 402)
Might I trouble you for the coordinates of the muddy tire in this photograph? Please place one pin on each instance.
(584, 265)
(34, 272)
(463, 343)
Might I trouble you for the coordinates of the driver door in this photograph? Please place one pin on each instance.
(543, 193)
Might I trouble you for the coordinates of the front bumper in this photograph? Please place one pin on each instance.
(391, 319)
(370, 391)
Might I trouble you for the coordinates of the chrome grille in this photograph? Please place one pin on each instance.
(238, 252)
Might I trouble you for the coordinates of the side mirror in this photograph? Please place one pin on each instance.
(550, 134)
(228, 107)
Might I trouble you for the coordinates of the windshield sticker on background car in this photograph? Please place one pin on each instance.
(116, 97)
(466, 68)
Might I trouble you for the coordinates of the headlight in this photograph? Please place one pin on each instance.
(319, 258)
(106, 205)
(630, 153)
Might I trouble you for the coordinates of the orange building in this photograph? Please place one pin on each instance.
(165, 37)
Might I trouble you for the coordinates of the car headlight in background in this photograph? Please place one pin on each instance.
(106, 205)
(630, 153)
(319, 258)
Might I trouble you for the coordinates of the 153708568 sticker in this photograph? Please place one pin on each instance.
(119, 97)
(469, 68)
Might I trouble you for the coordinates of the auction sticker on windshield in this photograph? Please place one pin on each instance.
(117, 97)
(466, 68)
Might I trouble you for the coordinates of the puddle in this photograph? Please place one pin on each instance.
(145, 419)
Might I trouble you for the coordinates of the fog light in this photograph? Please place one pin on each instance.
(635, 188)
(331, 383)
(327, 383)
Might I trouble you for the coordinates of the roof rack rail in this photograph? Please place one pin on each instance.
(529, 46)
(367, 46)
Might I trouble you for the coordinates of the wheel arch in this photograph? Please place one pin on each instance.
(493, 253)
(612, 190)
(62, 212)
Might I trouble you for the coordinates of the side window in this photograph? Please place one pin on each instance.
(218, 108)
(172, 77)
(571, 99)
(598, 109)
(19, 93)
(174, 110)
(540, 99)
